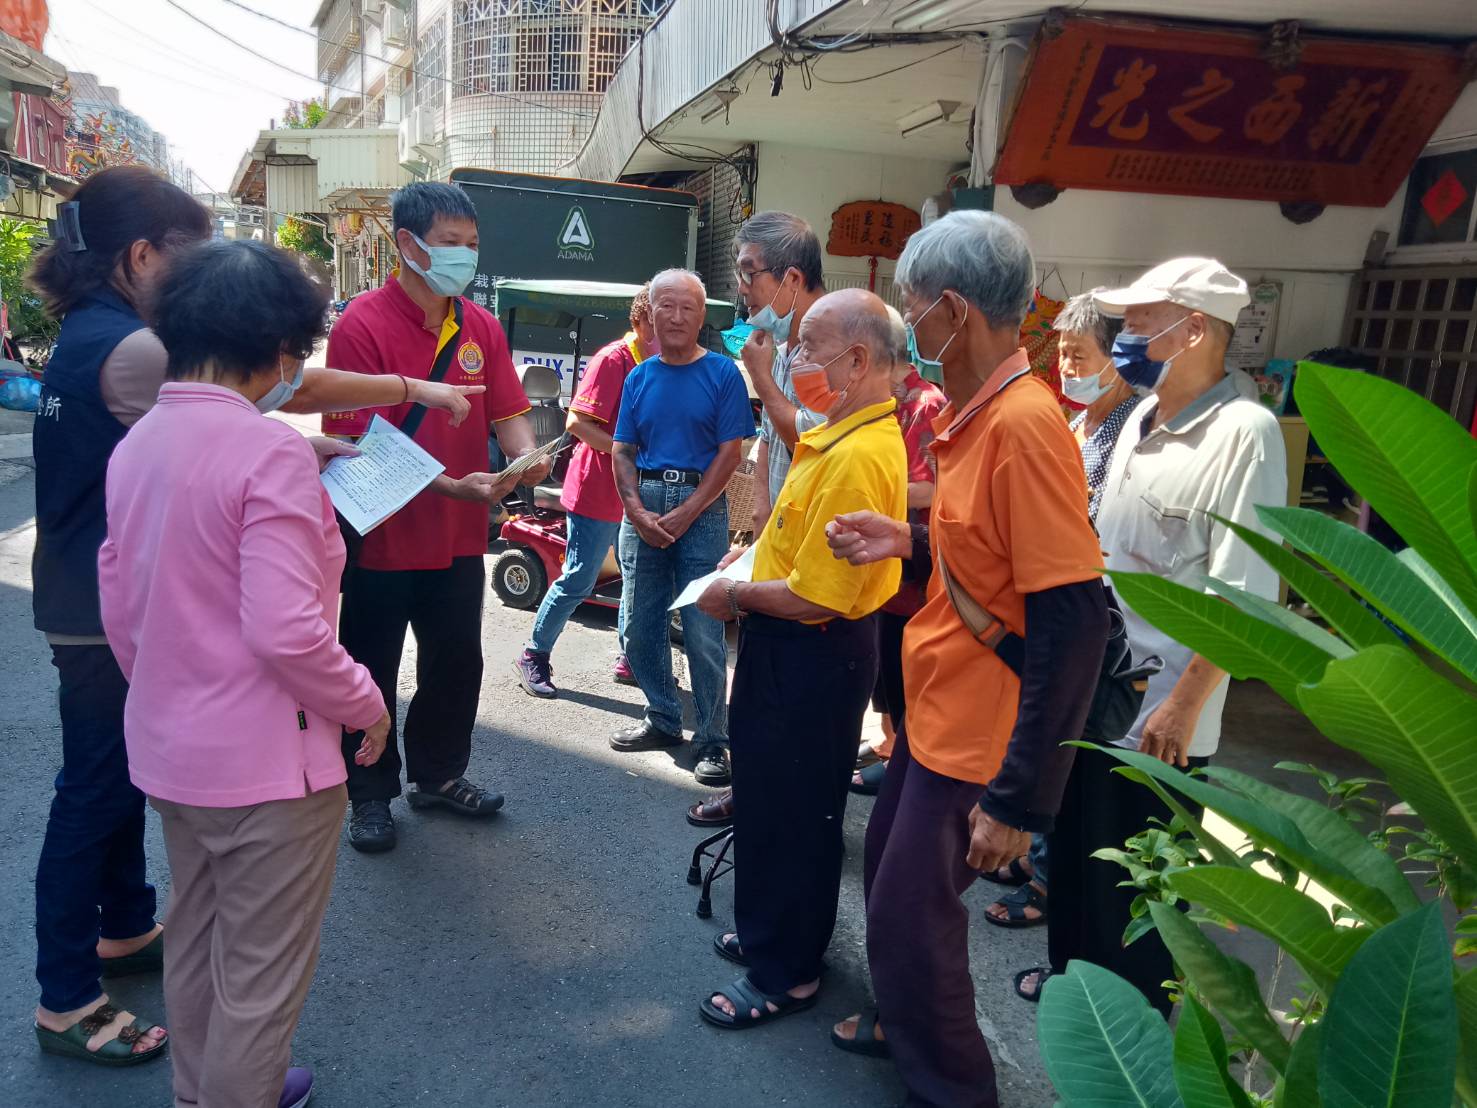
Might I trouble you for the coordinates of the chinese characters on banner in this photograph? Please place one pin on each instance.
(871, 229)
(1143, 107)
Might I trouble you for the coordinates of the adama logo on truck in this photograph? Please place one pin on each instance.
(576, 241)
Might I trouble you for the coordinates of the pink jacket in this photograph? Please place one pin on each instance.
(219, 582)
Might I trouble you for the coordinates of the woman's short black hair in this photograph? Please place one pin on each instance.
(416, 206)
(237, 306)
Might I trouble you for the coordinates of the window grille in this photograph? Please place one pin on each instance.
(1420, 326)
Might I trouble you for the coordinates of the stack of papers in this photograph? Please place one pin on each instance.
(527, 461)
(389, 472)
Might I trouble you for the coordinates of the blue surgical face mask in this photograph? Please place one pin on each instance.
(452, 267)
(280, 393)
(931, 369)
(1131, 359)
(767, 319)
(1086, 390)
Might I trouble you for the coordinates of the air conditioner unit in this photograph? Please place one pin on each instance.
(427, 134)
(405, 143)
(397, 27)
(374, 10)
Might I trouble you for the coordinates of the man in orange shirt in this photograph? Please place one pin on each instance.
(978, 761)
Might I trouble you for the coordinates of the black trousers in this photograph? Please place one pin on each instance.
(918, 933)
(888, 695)
(444, 609)
(90, 880)
(799, 694)
(1089, 912)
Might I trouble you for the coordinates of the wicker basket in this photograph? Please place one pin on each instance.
(740, 493)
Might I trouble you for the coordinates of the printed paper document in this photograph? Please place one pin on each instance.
(741, 569)
(389, 471)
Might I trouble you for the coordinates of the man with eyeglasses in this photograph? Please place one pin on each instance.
(778, 262)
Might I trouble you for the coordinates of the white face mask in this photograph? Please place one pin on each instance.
(280, 393)
(1086, 390)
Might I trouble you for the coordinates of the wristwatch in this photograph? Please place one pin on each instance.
(730, 587)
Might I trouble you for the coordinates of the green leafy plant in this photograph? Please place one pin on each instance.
(304, 238)
(17, 244)
(302, 114)
(1387, 1011)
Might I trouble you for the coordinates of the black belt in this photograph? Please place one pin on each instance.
(672, 476)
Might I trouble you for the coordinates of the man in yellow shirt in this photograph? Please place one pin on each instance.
(807, 661)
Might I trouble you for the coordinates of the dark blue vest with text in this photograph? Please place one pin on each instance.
(74, 437)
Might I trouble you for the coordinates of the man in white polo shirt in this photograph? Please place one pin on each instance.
(1193, 449)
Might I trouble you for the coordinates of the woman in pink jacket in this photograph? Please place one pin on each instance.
(219, 583)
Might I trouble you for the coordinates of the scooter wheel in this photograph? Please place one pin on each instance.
(518, 578)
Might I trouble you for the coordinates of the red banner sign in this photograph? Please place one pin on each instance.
(1144, 107)
(871, 229)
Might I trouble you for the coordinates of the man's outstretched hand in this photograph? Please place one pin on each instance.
(862, 538)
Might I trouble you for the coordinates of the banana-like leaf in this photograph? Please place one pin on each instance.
(1346, 872)
(1200, 1066)
(1391, 585)
(1227, 984)
(1274, 613)
(1433, 581)
(1418, 728)
(1351, 619)
(1407, 457)
(1298, 1087)
(1390, 1032)
(1331, 835)
(1101, 1042)
(1466, 1016)
(1295, 921)
(1242, 645)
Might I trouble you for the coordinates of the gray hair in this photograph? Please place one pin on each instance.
(899, 335)
(982, 256)
(787, 242)
(667, 276)
(1082, 316)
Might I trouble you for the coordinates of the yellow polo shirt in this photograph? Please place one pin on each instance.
(858, 464)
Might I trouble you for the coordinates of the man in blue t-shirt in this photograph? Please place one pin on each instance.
(683, 418)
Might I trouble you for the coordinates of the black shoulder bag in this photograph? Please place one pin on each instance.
(353, 540)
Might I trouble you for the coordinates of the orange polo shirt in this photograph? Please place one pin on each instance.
(1010, 515)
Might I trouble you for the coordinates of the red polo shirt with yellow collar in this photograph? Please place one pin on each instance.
(383, 331)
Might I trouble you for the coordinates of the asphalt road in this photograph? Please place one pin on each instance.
(550, 957)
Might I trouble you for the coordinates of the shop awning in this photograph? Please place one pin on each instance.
(322, 170)
(559, 303)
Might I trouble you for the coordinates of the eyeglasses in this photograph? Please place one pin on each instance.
(746, 277)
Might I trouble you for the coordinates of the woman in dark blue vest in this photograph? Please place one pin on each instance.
(94, 905)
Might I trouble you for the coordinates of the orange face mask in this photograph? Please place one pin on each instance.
(812, 388)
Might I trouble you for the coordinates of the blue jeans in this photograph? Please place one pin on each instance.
(653, 578)
(1038, 859)
(584, 554)
(90, 882)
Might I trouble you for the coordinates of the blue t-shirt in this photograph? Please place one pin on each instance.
(677, 416)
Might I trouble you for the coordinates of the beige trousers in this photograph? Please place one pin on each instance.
(250, 886)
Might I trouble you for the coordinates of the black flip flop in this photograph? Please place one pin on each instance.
(866, 1042)
(1016, 903)
(747, 998)
(871, 779)
(1018, 875)
(728, 947)
(1044, 973)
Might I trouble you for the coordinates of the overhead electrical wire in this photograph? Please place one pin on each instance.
(378, 58)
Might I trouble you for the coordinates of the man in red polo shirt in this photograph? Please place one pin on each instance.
(422, 568)
(589, 496)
